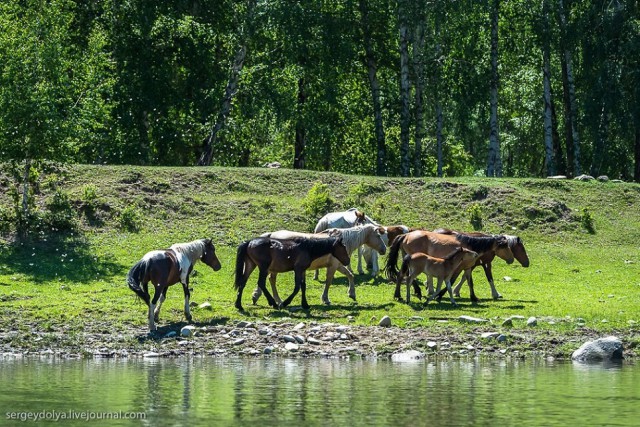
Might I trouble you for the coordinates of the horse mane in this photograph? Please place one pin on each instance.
(453, 253)
(352, 237)
(192, 250)
(477, 243)
(512, 240)
(445, 231)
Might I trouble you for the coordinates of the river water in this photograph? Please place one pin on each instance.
(230, 391)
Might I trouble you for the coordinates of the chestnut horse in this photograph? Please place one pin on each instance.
(371, 257)
(349, 218)
(441, 268)
(281, 255)
(439, 245)
(515, 250)
(353, 237)
(164, 268)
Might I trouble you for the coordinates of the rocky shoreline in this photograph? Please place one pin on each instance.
(303, 340)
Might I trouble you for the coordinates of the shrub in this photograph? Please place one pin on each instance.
(60, 215)
(130, 219)
(586, 219)
(474, 211)
(317, 201)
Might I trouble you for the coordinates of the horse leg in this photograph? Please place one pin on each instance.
(453, 278)
(375, 268)
(350, 277)
(274, 288)
(456, 290)
(187, 296)
(331, 271)
(262, 284)
(303, 287)
(487, 272)
(360, 270)
(156, 312)
(152, 305)
(448, 283)
(257, 292)
(435, 295)
(248, 269)
(296, 288)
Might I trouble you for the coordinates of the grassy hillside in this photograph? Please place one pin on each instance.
(59, 279)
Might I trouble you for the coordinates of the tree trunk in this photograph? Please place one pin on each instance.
(636, 170)
(230, 90)
(301, 132)
(558, 154)
(229, 93)
(418, 67)
(404, 92)
(494, 164)
(601, 140)
(546, 79)
(574, 163)
(372, 67)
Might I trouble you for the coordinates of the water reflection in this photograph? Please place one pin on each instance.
(197, 391)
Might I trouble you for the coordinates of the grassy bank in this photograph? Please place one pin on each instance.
(582, 239)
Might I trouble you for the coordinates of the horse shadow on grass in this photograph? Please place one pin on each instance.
(66, 257)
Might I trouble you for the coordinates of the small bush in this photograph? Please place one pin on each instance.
(130, 219)
(474, 211)
(318, 201)
(586, 219)
(60, 214)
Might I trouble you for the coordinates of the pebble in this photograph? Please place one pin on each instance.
(313, 341)
(532, 321)
(508, 322)
(151, 354)
(238, 341)
(342, 329)
(244, 324)
(469, 319)
(188, 331)
(291, 346)
(385, 321)
(171, 334)
(206, 306)
(288, 338)
(432, 345)
(486, 335)
(298, 326)
(268, 350)
(501, 338)
(299, 339)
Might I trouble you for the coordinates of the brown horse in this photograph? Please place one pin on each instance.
(439, 246)
(281, 255)
(167, 267)
(369, 235)
(392, 231)
(515, 250)
(440, 268)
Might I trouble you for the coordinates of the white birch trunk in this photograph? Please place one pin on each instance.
(404, 92)
(494, 164)
(546, 79)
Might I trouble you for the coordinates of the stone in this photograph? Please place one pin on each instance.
(188, 331)
(501, 338)
(603, 349)
(469, 319)
(385, 321)
(342, 329)
(508, 322)
(299, 339)
(206, 306)
(407, 356)
(244, 324)
(486, 335)
(268, 350)
(151, 354)
(171, 334)
(532, 321)
(298, 326)
(603, 178)
(288, 338)
(291, 346)
(584, 177)
(432, 345)
(313, 341)
(238, 341)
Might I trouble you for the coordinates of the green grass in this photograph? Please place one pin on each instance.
(58, 280)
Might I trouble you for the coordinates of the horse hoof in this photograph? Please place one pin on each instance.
(254, 301)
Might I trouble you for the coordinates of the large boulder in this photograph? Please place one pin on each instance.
(602, 349)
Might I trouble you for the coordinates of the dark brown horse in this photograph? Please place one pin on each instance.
(515, 250)
(167, 267)
(439, 245)
(282, 255)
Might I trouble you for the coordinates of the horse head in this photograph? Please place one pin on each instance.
(361, 218)
(503, 249)
(519, 252)
(339, 251)
(376, 240)
(209, 255)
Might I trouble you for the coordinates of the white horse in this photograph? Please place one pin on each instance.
(349, 218)
(353, 238)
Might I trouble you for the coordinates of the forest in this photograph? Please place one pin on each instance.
(498, 88)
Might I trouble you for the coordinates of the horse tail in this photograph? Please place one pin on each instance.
(404, 269)
(136, 276)
(240, 258)
(391, 267)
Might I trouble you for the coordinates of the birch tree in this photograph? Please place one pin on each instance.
(494, 164)
(546, 78)
(405, 116)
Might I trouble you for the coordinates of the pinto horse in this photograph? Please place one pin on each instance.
(164, 268)
(349, 218)
(440, 268)
(280, 255)
(353, 237)
(371, 257)
(439, 245)
(515, 249)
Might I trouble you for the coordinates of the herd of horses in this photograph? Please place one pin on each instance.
(441, 254)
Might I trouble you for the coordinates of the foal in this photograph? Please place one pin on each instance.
(441, 268)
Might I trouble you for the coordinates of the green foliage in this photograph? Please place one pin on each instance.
(60, 214)
(474, 213)
(130, 219)
(587, 222)
(318, 201)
